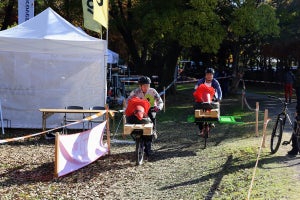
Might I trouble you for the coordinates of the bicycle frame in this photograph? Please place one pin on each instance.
(285, 115)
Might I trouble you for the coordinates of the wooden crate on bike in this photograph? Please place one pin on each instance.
(213, 113)
(147, 128)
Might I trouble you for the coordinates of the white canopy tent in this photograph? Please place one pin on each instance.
(112, 57)
(46, 62)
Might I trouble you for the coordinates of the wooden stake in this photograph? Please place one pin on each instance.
(107, 128)
(266, 120)
(56, 161)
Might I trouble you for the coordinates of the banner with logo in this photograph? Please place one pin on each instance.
(25, 10)
(75, 151)
(101, 12)
(88, 12)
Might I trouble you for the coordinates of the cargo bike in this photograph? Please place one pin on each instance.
(206, 113)
(142, 134)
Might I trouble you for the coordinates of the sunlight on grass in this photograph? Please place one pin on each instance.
(224, 170)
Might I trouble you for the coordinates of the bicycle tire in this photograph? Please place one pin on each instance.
(276, 136)
(139, 151)
(298, 137)
(205, 133)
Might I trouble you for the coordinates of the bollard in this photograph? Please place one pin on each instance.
(107, 128)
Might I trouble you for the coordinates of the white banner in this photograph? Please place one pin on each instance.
(25, 10)
(75, 151)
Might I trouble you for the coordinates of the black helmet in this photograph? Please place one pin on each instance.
(144, 80)
(210, 70)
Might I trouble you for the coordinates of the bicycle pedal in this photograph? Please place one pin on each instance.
(285, 142)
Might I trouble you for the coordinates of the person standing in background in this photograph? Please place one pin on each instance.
(288, 79)
(294, 151)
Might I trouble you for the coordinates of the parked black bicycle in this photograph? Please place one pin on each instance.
(279, 126)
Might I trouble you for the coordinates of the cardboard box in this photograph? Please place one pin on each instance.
(147, 128)
(213, 113)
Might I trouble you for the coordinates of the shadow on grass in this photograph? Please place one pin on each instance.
(228, 168)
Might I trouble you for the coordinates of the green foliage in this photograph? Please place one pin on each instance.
(268, 23)
(253, 19)
(193, 24)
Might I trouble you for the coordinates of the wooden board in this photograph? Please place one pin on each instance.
(147, 128)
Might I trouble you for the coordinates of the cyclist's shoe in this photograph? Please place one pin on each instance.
(50, 136)
(212, 125)
(293, 152)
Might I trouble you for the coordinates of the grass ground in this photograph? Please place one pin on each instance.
(180, 169)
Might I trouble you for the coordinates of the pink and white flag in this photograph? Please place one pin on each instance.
(75, 151)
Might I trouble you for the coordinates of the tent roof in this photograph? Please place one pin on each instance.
(47, 25)
(112, 57)
(48, 32)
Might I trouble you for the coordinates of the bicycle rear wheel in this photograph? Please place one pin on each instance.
(276, 136)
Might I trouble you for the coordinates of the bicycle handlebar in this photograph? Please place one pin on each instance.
(281, 99)
(273, 97)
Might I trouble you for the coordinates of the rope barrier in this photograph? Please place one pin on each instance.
(51, 130)
(168, 87)
(247, 104)
(257, 159)
(255, 81)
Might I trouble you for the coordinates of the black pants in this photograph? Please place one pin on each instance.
(294, 138)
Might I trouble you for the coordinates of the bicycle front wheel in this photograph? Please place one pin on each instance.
(205, 133)
(298, 137)
(276, 136)
(139, 151)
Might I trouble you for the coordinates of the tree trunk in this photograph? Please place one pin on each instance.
(169, 67)
(8, 14)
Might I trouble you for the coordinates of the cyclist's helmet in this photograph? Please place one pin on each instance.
(144, 80)
(210, 70)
